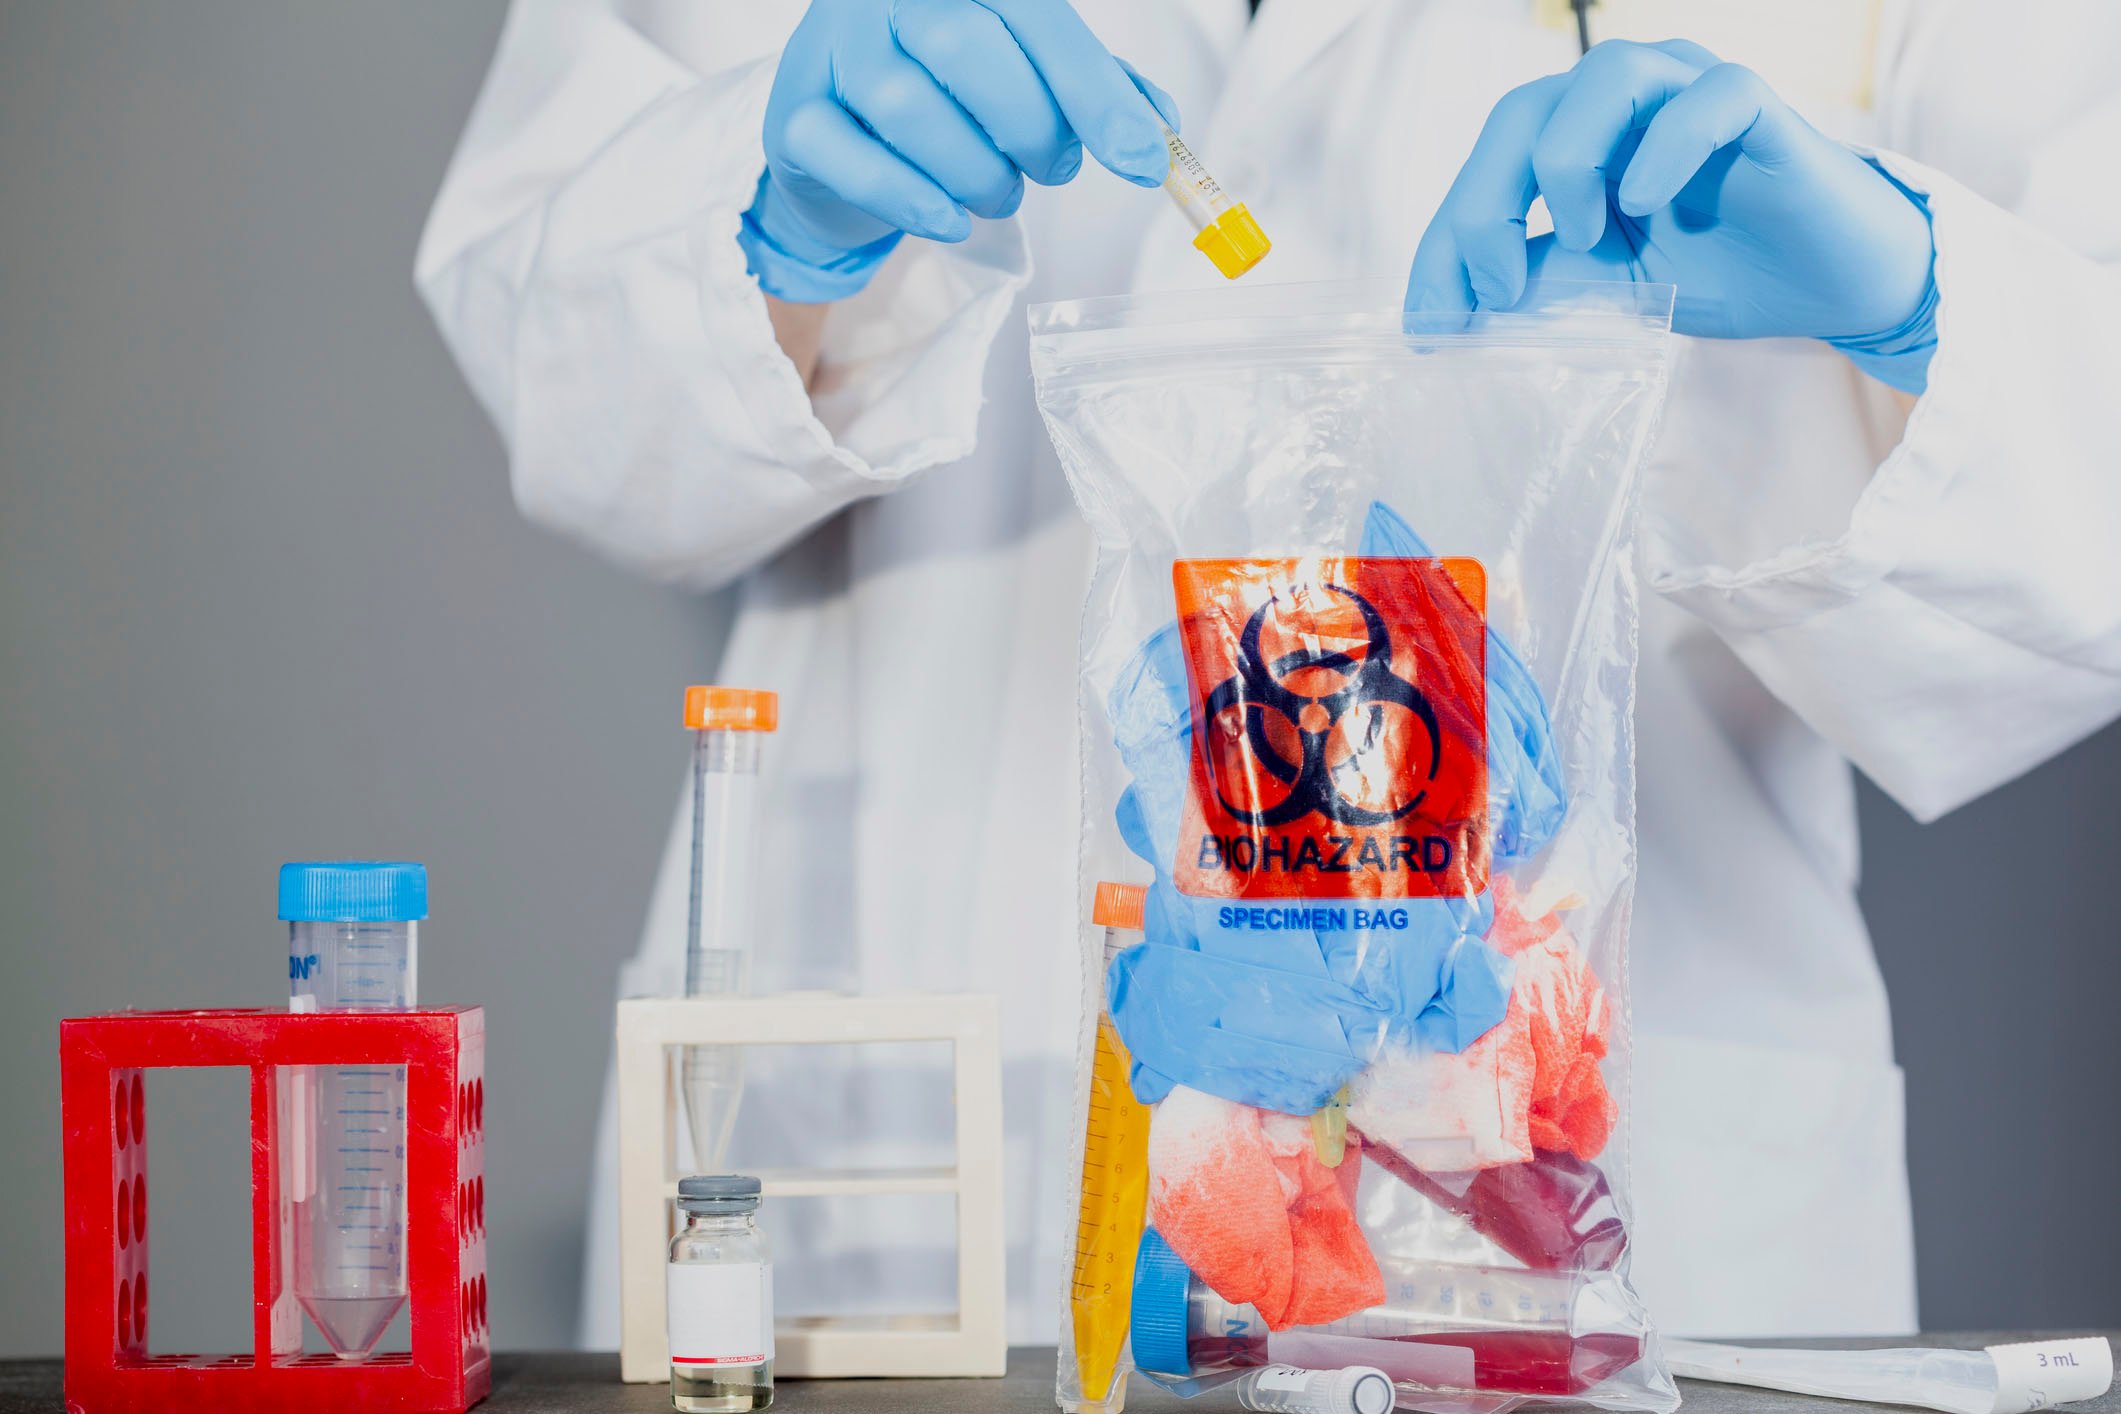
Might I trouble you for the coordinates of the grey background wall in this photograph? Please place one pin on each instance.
(263, 596)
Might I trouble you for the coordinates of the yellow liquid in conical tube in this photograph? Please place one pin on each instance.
(1115, 1196)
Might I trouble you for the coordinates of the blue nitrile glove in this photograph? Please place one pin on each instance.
(889, 116)
(1660, 163)
(1192, 1019)
(1277, 1019)
(1284, 1026)
(1526, 793)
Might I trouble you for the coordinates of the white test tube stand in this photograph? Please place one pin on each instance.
(971, 1341)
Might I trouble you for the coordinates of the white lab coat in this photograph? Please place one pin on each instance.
(1929, 594)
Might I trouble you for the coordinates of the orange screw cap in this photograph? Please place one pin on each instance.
(1119, 905)
(731, 709)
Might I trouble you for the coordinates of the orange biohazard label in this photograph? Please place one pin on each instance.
(1339, 727)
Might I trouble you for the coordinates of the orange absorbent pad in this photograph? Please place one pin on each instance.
(1531, 1082)
(1240, 1195)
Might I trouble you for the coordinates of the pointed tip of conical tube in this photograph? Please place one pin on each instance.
(713, 1084)
(352, 1325)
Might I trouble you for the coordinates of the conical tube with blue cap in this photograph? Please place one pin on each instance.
(352, 945)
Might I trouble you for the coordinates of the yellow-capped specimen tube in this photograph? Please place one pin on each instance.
(1223, 230)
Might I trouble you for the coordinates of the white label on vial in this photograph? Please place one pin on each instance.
(1281, 1379)
(720, 1313)
(2041, 1373)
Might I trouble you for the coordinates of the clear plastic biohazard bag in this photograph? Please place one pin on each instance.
(1357, 691)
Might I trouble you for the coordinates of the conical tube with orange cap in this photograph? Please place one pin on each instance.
(728, 724)
(1115, 1186)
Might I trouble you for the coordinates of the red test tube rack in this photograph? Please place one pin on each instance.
(103, 1105)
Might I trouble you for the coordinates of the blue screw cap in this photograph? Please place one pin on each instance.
(353, 891)
(1162, 1286)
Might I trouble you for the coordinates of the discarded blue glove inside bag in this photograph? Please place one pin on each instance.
(1524, 771)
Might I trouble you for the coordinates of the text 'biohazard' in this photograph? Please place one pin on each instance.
(1339, 727)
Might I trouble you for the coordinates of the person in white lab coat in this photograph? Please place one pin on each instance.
(1845, 572)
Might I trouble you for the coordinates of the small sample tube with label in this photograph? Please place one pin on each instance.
(1287, 1389)
(1224, 230)
(720, 1300)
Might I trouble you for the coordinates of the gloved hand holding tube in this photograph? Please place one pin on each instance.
(890, 117)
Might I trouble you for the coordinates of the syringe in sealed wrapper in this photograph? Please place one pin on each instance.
(1224, 230)
(2000, 1379)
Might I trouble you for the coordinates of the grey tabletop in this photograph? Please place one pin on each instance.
(553, 1382)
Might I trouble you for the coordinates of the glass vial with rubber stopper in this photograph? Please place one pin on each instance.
(720, 1299)
(728, 724)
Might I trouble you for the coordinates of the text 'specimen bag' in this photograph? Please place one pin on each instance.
(1358, 674)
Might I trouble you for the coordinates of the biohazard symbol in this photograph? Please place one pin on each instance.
(1338, 736)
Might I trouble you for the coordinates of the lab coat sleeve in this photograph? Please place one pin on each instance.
(1962, 622)
(581, 262)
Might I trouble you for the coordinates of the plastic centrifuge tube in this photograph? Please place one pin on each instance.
(1115, 1186)
(727, 724)
(352, 946)
(1224, 230)
(1443, 1325)
(1286, 1389)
